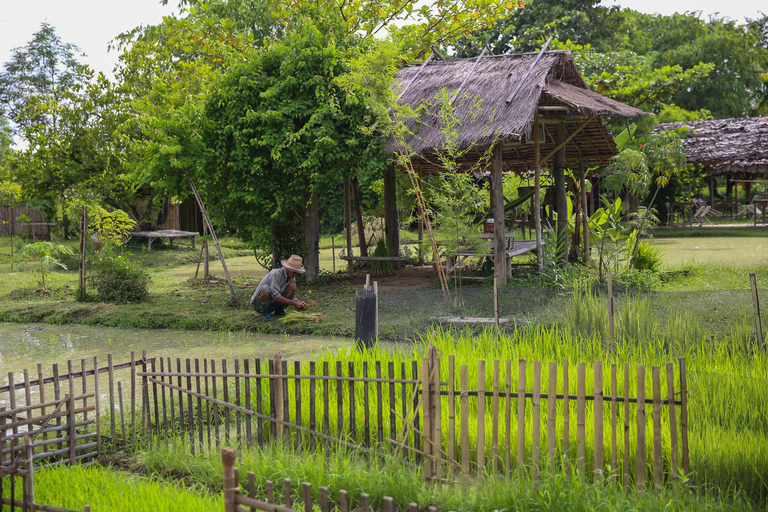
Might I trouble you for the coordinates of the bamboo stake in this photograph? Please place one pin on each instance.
(580, 422)
(598, 412)
(626, 424)
(610, 310)
(480, 417)
(552, 413)
(566, 420)
(495, 416)
(756, 306)
(111, 370)
(521, 414)
(684, 415)
(640, 470)
(464, 437)
(613, 423)
(122, 412)
(508, 419)
(451, 412)
(657, 467)
(536, 406)
(674, 470)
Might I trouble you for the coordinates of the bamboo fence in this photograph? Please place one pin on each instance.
(511, 415)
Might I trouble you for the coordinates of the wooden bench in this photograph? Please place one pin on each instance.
(170, 234)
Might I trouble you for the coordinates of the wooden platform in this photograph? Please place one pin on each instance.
(170, 234)
(375, 258)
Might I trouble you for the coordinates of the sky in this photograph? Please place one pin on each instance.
(92, 24)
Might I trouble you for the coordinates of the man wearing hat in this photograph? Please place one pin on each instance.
(278, 290)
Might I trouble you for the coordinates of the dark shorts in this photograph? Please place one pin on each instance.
(270, 306)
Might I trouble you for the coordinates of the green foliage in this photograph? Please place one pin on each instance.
(118, 278)
(111, 227)
(46, 253)
(647, 256)
(607, 235)
(302, 133)
(644, 221)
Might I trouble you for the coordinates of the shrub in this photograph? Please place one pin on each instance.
(118, 279)
(648, 257)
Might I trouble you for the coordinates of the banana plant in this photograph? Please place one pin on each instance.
(606, 233)
(46, 253)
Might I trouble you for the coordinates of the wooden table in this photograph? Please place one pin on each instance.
(170, 234)
(512, 248)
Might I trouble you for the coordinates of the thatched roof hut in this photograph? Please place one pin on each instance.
(509, 90)
(726, 146)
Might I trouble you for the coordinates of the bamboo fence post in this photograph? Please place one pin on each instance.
(508, 418)
(155, 402)
(365, 503)
(610, 309)
(111, 382)
(684, 415)
(190, 412)
(287, 493)
(552, 413)
(580, 421)
(133, 395)
(426, 407)
(339, 401)
(41, 389)
(96, 401)
(122, 413)
(352, 401)
(252, 488)
(278, 392)
(451, 414)
(566, 419)
(640, 469)
(480, 417)
(29, 463)
(56, 396)
(626, 425)
(228, 458)
(333, 253)
(436, 404)
(144, 388)
(72, 428)
(464, 436)
(312, 404)
(657, 467)
(613, 422)
(496, 302)
(495, 417)
(260, 406)
(366, 409)
(756, 306)
(376, 315)
(536, 427)
(249, 405)
(307, 491)
(674, 469)
(343, 501)
(521, 414)
(598, 413)
(163, 391)
(200, 435)
(323, 499)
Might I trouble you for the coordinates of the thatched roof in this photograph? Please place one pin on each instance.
(485, 115)
(726, 146)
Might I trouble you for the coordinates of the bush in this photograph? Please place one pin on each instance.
(118, 279)
(648, 257)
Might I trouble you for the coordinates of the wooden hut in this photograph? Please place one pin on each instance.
(735, 148)
(536, 105)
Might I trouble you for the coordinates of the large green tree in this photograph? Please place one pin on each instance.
(282, 131)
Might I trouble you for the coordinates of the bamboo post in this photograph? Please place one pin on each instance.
(598, 413)
(566, 419)
(464, 437)
(610, 309)
(111, 370)
(29, 463)
(674, 470)
(451, 413)
(613, 422)
(480, 417)
(278, 393)
(536, 406)
(228, 458)
(657, 467)
(376, 316)
(756, 306)
(684, 415)
(495, 418)
(496, 305)
(436, 405)
(427, 414)
(333, 253)
(521, 414)
(640, 469)
(580, 421)
(584, 214)
(537, 190)
(552, 413)
(215, 240)
(122, 412)
(508, 418)
(626, 425)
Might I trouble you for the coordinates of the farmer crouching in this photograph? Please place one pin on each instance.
(278, 290)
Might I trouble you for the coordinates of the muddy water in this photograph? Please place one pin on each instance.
(23, 346)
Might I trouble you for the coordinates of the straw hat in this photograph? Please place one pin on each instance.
(294, 263)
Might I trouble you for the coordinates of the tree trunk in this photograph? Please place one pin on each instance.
(561, 198)
(206, 255)
(391, 229)
(359, 219)
(499, 226)
(312, 238)
(348, 223)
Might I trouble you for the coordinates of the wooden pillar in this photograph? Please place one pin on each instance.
(312, 238)
(561, 196)
(359, 219)
(712, 189)
(348, 223)
(537, 191)
(585, 213)
(391, 229)
(499, 226)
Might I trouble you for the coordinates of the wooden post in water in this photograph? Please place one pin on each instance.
(756, 306)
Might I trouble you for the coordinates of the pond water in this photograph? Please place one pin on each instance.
(24, 345)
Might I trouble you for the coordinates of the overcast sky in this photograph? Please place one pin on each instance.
(92, 24)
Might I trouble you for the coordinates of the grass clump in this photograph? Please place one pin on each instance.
(104, 488)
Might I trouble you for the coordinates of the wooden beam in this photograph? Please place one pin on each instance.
(537, 191)
(567, 139)
(499, 226)
(533, 65)
(584, 212)
(561, 199)
(424, 64)
(466, 77)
